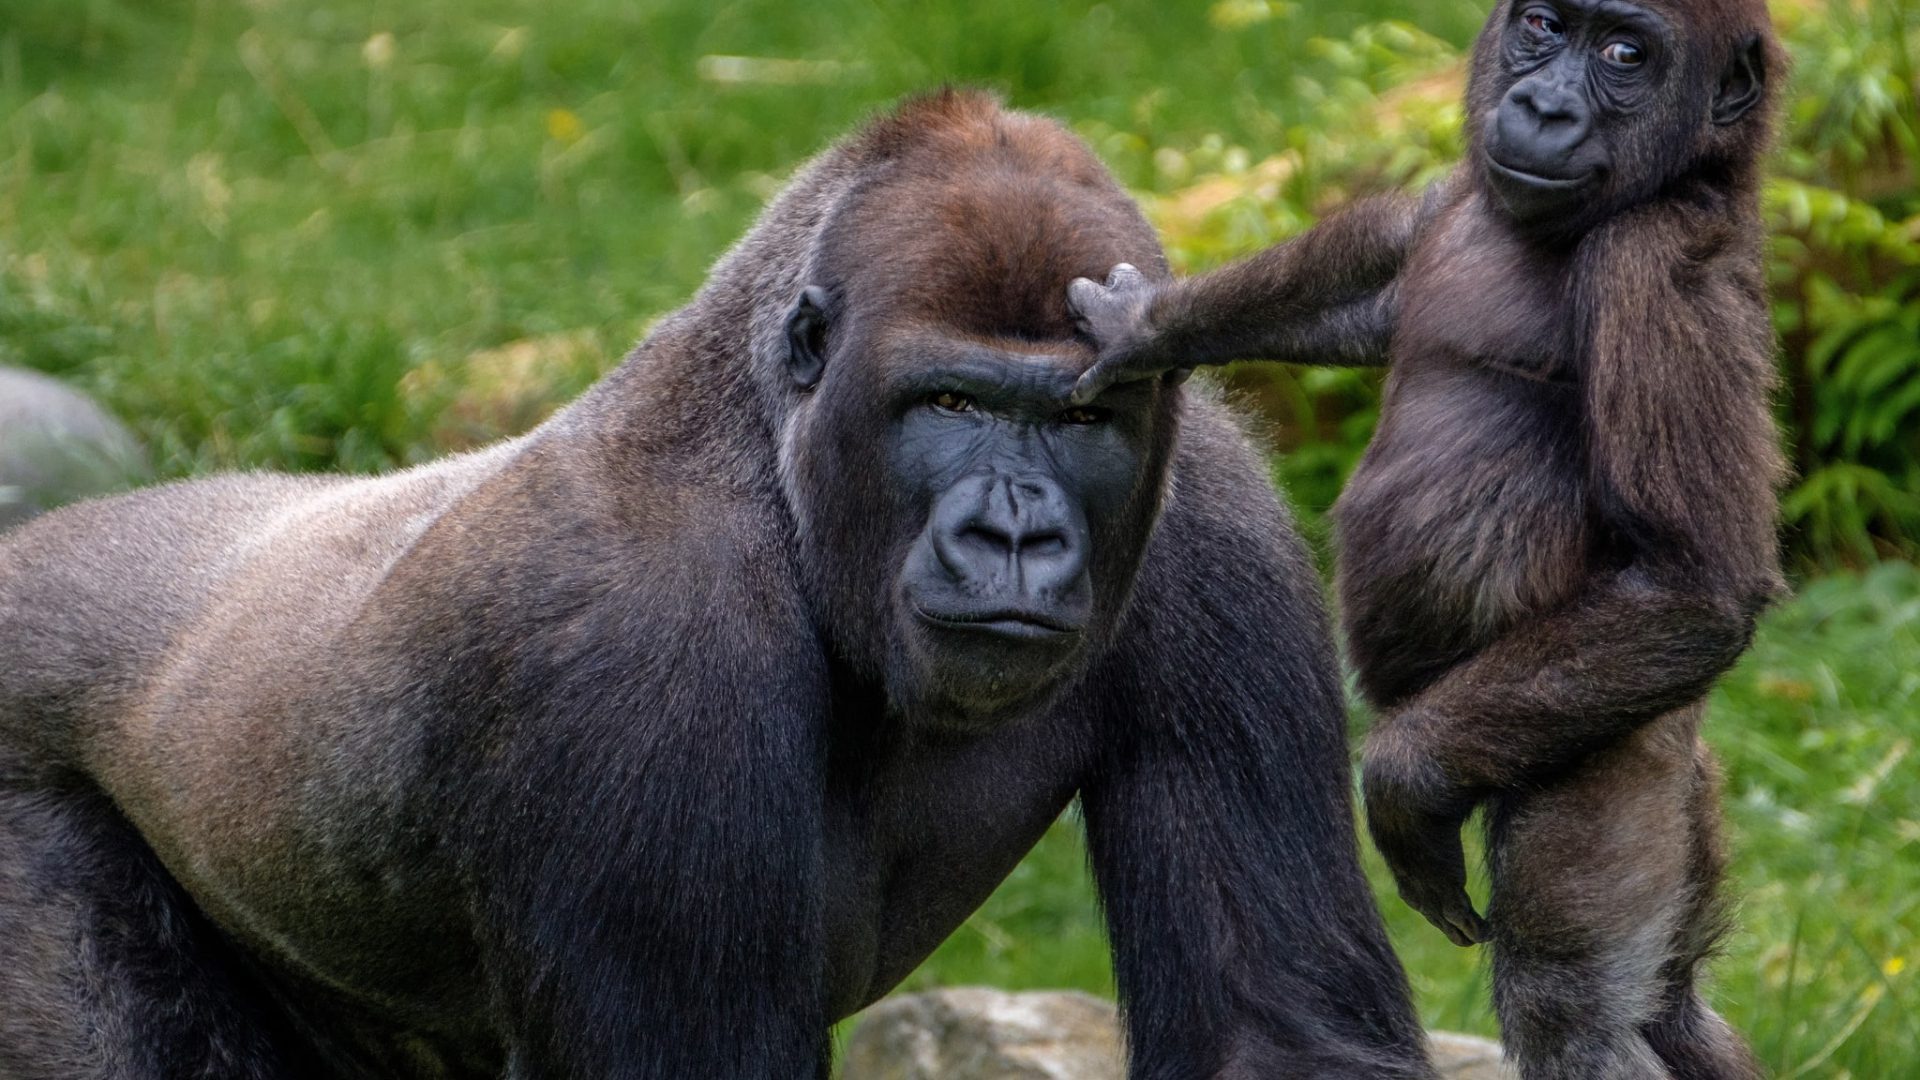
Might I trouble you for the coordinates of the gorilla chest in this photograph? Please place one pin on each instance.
(1477, 296)
(918, 836)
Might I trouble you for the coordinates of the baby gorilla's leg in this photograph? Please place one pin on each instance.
(1596, 903)
(1690, 1037)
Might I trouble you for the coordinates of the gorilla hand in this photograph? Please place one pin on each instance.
(1115, 317)
(1415, 815)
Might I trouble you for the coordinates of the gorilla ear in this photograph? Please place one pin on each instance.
(1743, 83)
(807, 337)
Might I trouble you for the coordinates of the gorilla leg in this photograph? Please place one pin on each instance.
(106, 971)
(1602, 908)
(1690, 1037)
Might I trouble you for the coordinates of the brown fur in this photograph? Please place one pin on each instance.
(1562, 531)
(590, 754)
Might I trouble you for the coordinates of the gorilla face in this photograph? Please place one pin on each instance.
(1584, 107)
(996, 527)
(995, 594)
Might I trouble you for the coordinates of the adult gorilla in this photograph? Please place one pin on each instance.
(651, 743)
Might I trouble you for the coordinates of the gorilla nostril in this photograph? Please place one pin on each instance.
(987, 536)
(1009, 533)
(1546, 106)
(1044, 544)
(1553, 111)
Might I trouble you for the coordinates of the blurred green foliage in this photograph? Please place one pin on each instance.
(1846, 215)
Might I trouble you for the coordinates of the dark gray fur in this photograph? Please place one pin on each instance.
(550, 761)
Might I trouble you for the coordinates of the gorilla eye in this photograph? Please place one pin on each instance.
(1544, 22)
(1083, 416)
(951, 401)
(1624, 54)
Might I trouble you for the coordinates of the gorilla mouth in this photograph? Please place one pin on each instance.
(1536, 180)
(1002, 622)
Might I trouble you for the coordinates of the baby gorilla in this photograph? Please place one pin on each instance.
(1565, 525)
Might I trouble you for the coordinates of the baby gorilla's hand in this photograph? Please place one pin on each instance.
(1415, 820)
(1115, 318)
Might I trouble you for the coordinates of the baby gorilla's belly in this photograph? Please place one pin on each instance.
(1467, 514)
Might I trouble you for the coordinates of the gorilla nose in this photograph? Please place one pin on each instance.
(1009, 535)
(1541, 124)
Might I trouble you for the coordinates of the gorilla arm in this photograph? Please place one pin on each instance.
(1676, 369)
(1219, 819)
(1325, 297)
(646, 818)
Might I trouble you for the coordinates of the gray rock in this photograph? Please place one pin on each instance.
(56, 445)
(1468, 1057)
(975, 1034)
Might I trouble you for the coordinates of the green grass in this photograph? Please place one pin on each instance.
(287, 235)
(1816, 729)
(243, 223)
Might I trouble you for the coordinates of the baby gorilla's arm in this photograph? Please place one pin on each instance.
(1325, 297)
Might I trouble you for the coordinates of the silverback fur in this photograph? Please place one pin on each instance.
(577, 756)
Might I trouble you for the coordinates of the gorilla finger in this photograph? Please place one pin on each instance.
(1452, 917)
(1468, 927)
(1432, 911)
(1445, 926)
(1124, 276)
(1092, 384)
(1082, 295)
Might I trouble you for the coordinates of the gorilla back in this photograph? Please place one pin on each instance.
(650, 743)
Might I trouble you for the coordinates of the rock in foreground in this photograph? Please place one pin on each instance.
(56, 445)
(977, 1034)
(1467, 1057)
